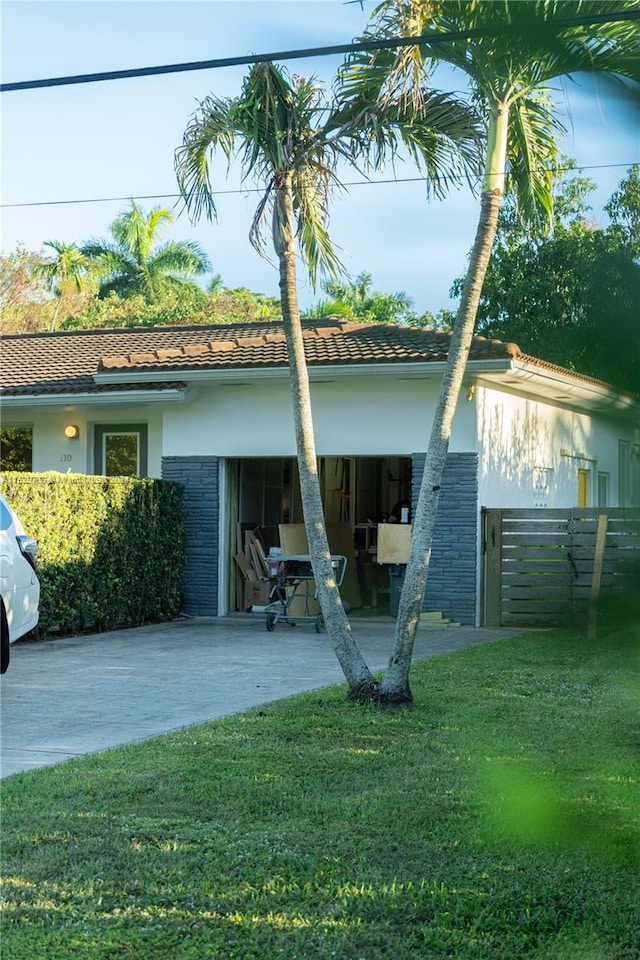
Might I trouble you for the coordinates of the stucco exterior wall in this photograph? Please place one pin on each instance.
(530, 452)
(53, 451)
(364, 417)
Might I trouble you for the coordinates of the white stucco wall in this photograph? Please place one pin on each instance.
(357, 418)
(531, 452)
(53, 451)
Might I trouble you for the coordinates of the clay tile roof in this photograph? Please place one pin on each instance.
(112, 363)
(63, 362)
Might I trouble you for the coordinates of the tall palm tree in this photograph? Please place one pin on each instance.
(513, 53)
(131, 262)
(67, 272)
(290, 140)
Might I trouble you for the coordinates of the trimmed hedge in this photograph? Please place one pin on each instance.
(111, 550)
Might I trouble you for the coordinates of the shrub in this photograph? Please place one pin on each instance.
(111, 550)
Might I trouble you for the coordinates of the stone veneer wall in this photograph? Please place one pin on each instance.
(200, 477)
(451, 585)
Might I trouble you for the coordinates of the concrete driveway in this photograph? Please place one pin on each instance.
(67, 697)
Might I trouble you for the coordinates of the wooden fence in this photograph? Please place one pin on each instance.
(542, 568)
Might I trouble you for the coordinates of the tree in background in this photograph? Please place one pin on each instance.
(239, 304)
(515, 50)
(357, 299)
(68, 272)
(26, 305)
(132, 263)
(573, 296)
(290, 140)
(624, 211)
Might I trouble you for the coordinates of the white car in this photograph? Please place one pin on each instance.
(19, 581)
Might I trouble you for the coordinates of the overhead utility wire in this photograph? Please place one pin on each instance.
(246, 190)
(378, 44)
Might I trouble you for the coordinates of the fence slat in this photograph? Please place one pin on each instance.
(539, 564)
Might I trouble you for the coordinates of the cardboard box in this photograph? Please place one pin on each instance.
(304, 603)
(256, 592)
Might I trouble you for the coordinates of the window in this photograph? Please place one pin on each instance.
(603, 489)
(120, 450)
(16, 449)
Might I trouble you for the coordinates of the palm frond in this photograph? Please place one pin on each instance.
(257, 232)
(184, 259)
(313, 185)
(209, 129)
(533, 155)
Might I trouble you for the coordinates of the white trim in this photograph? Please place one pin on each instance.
(91, 399)
(359, 371)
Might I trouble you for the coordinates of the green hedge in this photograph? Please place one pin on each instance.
(111, 550)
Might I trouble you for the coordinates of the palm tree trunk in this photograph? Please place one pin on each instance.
(54, 318)
(395, 685)
(361, 682)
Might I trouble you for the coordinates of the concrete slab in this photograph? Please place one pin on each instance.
(71, 696)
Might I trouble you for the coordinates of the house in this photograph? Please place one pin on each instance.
(210, 407)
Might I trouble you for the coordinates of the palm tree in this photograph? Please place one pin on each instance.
(66, 273)
(357, 298)
(290, 140)
(515, 51)
(131, 264)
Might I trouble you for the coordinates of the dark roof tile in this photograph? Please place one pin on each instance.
(54, 363)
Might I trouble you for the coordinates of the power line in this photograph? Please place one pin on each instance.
(354, 47)
(246, 190)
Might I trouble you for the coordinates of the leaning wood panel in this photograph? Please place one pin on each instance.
(294, 542)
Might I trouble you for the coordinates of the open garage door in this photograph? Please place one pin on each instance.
(357, 492)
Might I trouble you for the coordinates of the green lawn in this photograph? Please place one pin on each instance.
(498, 818)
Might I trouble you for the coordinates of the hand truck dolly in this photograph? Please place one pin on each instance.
(293, 577)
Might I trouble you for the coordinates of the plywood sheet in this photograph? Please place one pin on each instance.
(293, 540)
(394, 542)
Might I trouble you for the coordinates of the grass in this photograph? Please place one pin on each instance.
(498, 818)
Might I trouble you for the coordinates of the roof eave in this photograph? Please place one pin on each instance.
(559, 387)
(317, 373)
(91, 399)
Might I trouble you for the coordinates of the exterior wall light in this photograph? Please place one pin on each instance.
(72, 432)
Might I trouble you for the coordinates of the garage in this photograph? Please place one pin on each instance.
(263, 496)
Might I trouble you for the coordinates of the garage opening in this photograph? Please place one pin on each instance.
(357, 494)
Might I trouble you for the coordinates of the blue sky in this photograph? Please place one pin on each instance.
(117, 139)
